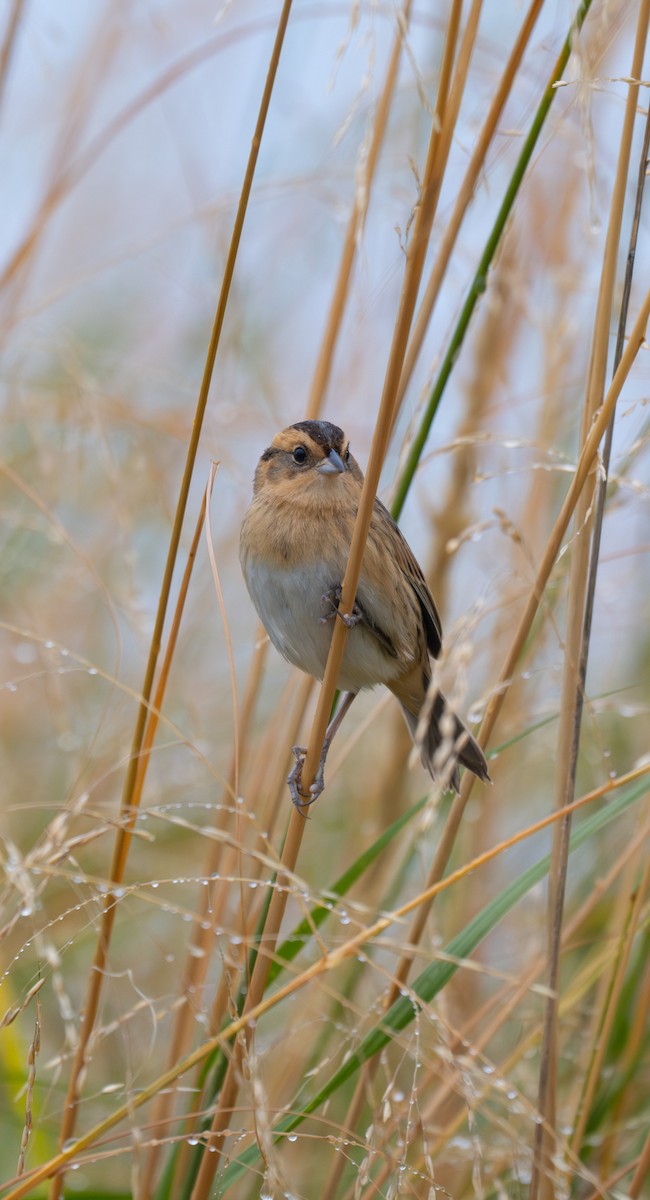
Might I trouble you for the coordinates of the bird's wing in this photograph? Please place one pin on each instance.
(412, 572)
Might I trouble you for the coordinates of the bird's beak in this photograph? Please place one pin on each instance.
(332, 465)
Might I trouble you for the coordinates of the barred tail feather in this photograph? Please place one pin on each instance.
(446, 745)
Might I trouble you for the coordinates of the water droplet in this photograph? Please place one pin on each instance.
(11, 687)
(293, 1137)
(25, 653)
(92, 670)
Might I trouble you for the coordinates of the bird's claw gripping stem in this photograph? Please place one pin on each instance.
(294, 779)
(332, 600)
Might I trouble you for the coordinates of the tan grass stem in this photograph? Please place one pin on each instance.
(504, 1004)
(357, 217)
(642, 1171)
(636, 899)
(412, 277)
(123, 839)
(387, 408)
(319, 384)
(91, 1000)
(9, 42)
(465, 194)
(575, 649)
(448, 124)
(201, 937)
(500, 690)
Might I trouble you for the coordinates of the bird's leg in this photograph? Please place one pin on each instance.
(295, 778)
(330, 602)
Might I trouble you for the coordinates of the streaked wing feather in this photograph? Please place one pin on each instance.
(410, 567)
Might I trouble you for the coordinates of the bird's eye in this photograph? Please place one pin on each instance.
(300, 455)
(347, 454)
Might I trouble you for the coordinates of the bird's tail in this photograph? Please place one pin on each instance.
(445, 743)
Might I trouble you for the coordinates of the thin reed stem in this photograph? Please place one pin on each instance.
(578, 631)
(479, 282)
(412, 277)
(91, 1001)
(9, 42)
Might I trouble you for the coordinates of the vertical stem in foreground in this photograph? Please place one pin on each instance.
(97, 971)
(576, 646)
(412, 277)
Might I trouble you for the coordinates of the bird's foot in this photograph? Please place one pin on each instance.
(294, 780)
(330, 602)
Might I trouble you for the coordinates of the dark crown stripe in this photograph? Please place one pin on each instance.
(323, 433)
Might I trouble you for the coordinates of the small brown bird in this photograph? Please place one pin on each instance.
(295, 540)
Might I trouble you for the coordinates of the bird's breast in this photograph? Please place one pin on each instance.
(290, 604)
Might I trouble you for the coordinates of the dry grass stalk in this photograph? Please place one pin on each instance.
(584, 467)
(319, 384)
(29, 1092)
(412, 277)
(356, 220)
(9, 42)
(572, 694)
(91, 1002)
(614, 985)
(465, 193)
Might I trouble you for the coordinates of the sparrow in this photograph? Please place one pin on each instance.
(294, 545)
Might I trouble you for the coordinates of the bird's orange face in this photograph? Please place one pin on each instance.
(309, 461)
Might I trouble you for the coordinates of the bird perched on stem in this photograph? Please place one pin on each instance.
(294, 546)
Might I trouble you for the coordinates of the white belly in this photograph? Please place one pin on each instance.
(290, 606)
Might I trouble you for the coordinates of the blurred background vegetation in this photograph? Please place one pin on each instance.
(124, 134)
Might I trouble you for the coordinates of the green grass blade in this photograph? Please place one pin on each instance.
(479, 282)
(296, 940)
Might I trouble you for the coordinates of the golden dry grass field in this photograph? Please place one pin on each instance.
(424, 222)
